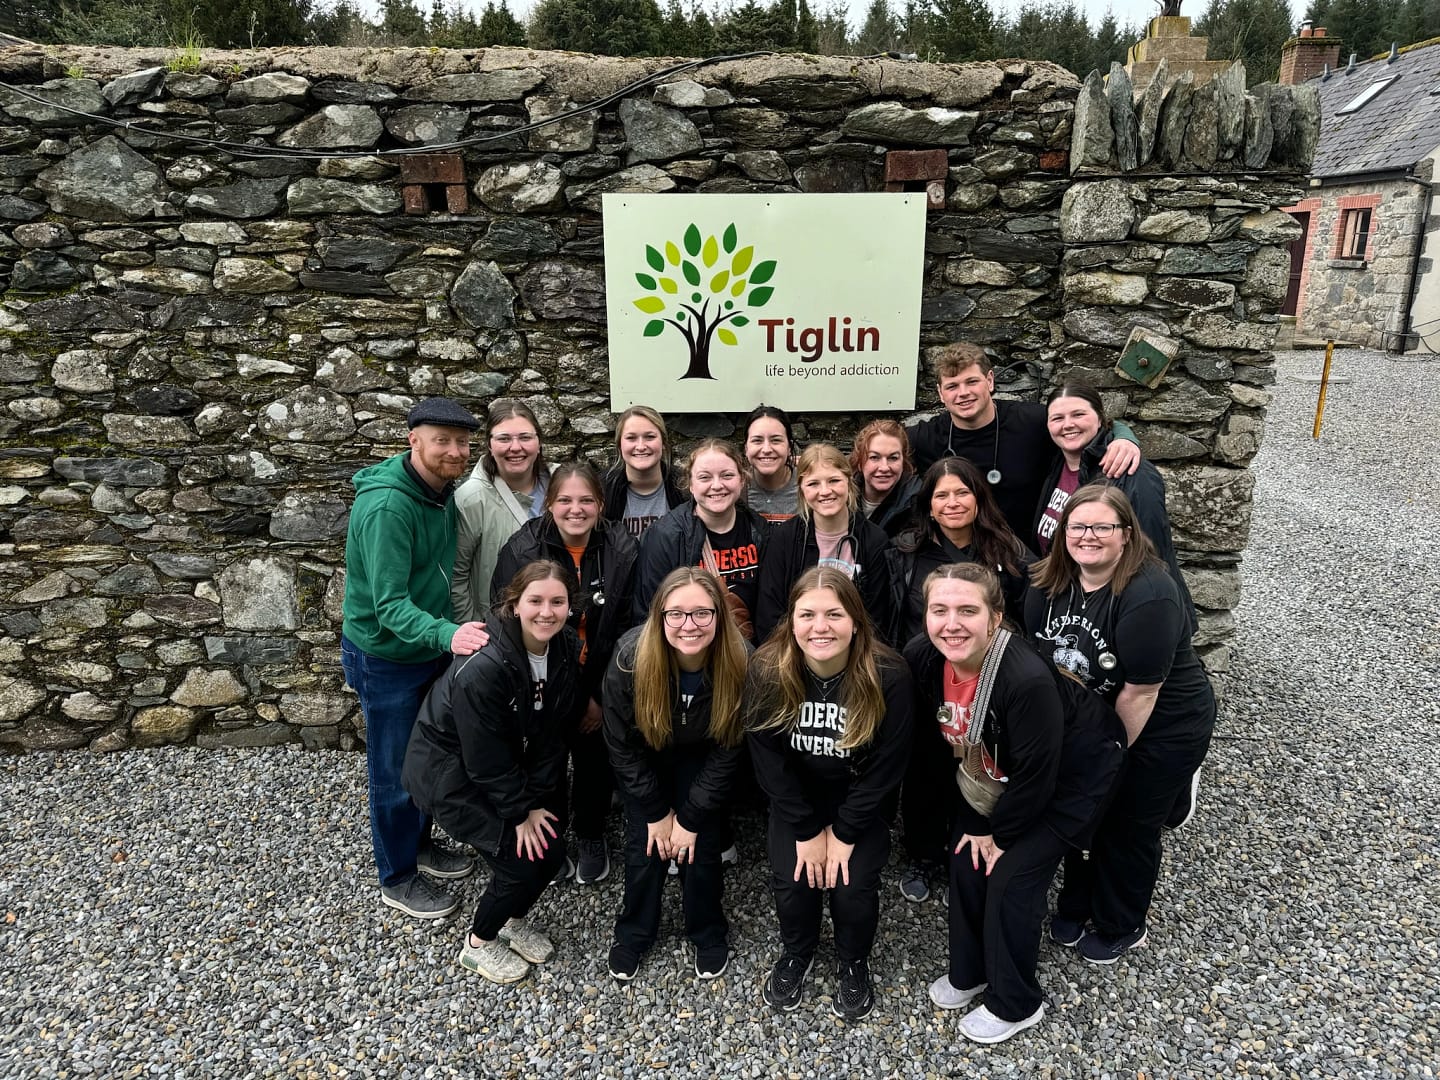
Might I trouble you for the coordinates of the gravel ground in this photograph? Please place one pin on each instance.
(183, 913)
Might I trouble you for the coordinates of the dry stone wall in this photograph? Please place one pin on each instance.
(201, 338)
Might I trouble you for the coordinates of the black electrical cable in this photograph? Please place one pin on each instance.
(251, 150)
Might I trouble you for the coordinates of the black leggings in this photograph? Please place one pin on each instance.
(585, 796)
(515, 884)
(854, 908)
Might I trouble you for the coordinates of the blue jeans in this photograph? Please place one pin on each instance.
(390, 696)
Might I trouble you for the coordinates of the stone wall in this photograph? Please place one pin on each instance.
(200, 343)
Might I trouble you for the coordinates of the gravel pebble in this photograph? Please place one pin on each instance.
(213, 913)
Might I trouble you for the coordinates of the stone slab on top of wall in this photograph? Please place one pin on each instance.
(201, 341)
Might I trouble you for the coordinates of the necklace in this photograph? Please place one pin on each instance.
(825, 686)
(1106, 659)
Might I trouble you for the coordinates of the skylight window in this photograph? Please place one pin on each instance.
(1360, 100)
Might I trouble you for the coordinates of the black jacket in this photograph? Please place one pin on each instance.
(916, 553)
(481, 756)
(607, 570)
(1145, 489)
(646, 776)
(677, 540)
(615, 488)
(896, 511)
(1060, 745)
(810, 793)
(793, 550)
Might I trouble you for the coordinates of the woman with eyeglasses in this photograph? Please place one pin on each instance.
(506, 490)
(1075, 416)
(828, 715)
(601, 556)
(962, 523)
(673, 725)
(885, 474)
(485, 758)
(713, 528)
(1106, 608)
(826, 532)
(639, 489)
(770, 450)
(1033, 755)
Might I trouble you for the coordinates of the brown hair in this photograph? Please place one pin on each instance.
(1082, 390)
(1058, 571)
(815, 456)
(950, 360)
(982, 577)
(649, 415)
(656, 671)
(991, 539)
(781, 672)
(717, 446)
(502, 409)
(575, 470)
(529, 574)
(869, 432)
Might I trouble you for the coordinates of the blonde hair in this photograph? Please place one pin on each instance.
(817, 456)
(781, 672)
(717, 446)
(656, 671)
(649, 415)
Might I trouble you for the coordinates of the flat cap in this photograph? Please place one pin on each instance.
(442, 411)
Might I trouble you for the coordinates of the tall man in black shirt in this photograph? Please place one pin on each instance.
(1007, 440)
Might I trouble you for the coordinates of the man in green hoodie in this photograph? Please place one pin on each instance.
(398, 636)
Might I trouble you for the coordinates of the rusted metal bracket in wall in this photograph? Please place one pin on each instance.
(910, 170)
(433, 183)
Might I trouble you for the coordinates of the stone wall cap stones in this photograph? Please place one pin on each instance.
(505, 84)
(81, 95)
(134, 88)
(270, 87)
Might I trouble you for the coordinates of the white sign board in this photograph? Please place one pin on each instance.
(717, 303)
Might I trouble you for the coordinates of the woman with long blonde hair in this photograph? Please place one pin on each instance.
(673, 725)
(827, 714)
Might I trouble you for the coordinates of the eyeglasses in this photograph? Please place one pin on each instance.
(507, 440)
(701, 617)
(1101, 531)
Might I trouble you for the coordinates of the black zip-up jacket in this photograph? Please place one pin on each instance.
(896, 511)
(607, 569)
(615, 489)
(916, 553)
(677, 540)
(793, 550)
(647, 776)
(1145, 489)
(481, 756)
(1060, 745)
(809, 791)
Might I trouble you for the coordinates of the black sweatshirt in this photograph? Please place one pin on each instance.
(809, 782)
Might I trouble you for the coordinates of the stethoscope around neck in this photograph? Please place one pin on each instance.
(992, 477)
(1107, 659)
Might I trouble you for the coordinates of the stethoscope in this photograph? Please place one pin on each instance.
(993, 477)
(1106, 659)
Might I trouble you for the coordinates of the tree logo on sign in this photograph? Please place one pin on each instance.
(703, 291)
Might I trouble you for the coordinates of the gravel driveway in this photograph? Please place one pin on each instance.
(184, 913)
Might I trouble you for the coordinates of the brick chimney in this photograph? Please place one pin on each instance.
(1304, 57)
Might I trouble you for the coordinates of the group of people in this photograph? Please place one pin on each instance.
(976, 624)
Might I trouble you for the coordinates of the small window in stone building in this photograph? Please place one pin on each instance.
(1354, 231)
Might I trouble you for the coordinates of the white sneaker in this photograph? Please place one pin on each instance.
(493, 960)
(524, 939)
(982, 1026)
(947, 997)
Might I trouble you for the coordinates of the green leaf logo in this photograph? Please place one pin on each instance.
(724, 282)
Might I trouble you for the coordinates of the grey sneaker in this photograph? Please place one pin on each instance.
(945, 995)
(730, 856)
(593, 866)
(524, 939)
(914, 883)
(443, 862)
(419, 898)
(493, 960)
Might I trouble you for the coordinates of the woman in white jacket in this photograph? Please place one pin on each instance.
(506, 490)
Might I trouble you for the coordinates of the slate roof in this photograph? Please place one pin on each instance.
(1394, 130)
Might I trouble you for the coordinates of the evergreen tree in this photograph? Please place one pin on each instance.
(784, 16)
(1248, 30)
(677, 39)
(401, 22)
(498, 26)
(807, 29)
(339, 24)
(881, 31)
(749, 27)
(962, 29)
(239, 24)
(607, 27)
(108, 22)
(702, 32)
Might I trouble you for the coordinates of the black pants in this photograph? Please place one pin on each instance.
(995, 921)
(702, 883)
(854, 908)
(928, 797)
(1113, 888)
(584, 796)
(515, 884)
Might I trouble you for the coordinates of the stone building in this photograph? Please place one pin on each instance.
(224, 279)
(1366, 269)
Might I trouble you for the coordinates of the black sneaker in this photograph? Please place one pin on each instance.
(1106, 950)
(1067, 932)
(420, 898)
(712, 960)
(442, 862)
(786, 984)
(593, 865)
(915, 883)
(623, 963)
(1184, 808)
(855, 996)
